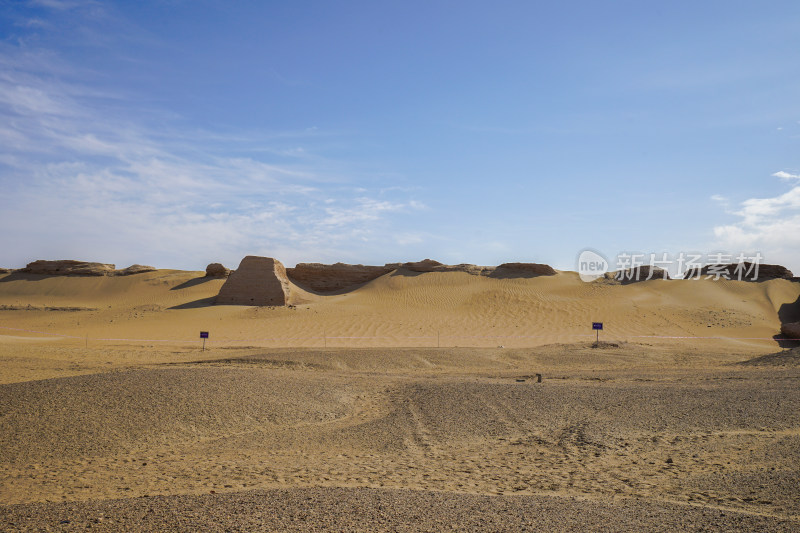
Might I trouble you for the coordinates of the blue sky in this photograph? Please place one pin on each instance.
(178, 133)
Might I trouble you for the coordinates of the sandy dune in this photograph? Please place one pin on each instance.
(106, 398)
(399, 309)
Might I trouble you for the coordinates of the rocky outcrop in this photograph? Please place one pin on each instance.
(522, 270)
(771, 272)
(258, 281)
(134, 269)
(429, 265)
(475, 270)
(791, 330)
(747, 270)
(6, 270)
(506, 270)
(217, 270)
(426, 265)
(329, 278)
(634, 275)
(67, 267)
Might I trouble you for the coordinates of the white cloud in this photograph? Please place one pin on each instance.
(63, 5)
(767, 225)
(786, 176)
(102, 185)
(364, 210)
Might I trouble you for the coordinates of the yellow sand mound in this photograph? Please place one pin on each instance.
(398, 309)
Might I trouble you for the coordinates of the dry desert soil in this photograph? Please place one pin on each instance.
(411, 403)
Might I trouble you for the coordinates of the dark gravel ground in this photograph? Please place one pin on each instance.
(365, 509)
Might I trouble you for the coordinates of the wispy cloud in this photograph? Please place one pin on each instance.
(365, 210)
(769, 225)
(786, 175)
(84, 177)
(62, 5)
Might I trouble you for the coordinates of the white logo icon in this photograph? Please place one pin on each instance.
(591, 265)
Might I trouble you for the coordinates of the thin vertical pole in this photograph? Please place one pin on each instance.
(204, 344)
(598, 336)
(438, 344)
(325, 338)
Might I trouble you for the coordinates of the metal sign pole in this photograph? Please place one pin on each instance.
(597, 326)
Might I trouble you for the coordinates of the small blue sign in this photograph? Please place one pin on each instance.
(204, 334)
(597, 325)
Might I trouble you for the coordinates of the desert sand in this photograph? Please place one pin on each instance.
(410, 402)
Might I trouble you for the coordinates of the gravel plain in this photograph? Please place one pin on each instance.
(363, 509)
(620, 439)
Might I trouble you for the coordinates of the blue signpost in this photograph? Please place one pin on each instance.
(204, 336)
(597, 326)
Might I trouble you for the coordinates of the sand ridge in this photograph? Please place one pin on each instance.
(401, 309)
